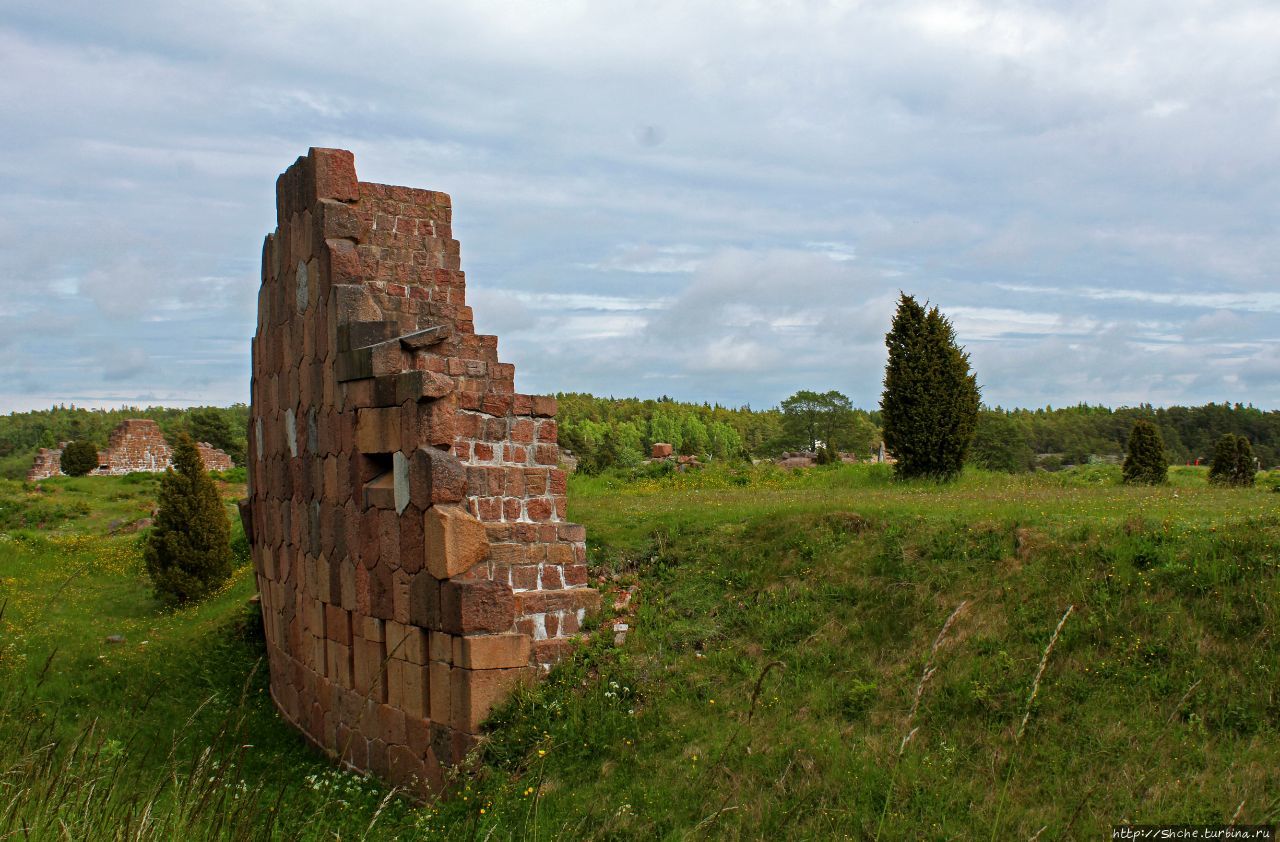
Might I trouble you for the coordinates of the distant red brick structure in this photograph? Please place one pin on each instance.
(48, 463)
(136, 444)
(405, 507)
(660, 450)
(213, 458)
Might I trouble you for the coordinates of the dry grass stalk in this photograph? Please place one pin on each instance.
(1026, 717)
(1044, 660)
(926, 674)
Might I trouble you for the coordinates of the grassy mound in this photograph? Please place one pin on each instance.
(787, 672)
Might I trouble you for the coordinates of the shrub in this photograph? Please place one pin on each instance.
(188, 553)
(1145, 463)
(1246, 469)
(79, 458)
(930, 401)
(1233, 462)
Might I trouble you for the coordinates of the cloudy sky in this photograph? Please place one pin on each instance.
(714, 201)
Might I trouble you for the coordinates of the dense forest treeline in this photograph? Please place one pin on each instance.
(605, 432)
(618, 432)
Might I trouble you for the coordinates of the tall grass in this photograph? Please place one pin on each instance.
(772, 687)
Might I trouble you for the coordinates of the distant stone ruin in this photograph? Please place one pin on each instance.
(136, 444)
(405, 507)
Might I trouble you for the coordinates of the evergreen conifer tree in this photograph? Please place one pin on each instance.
(79, 458)
(929, 408)
(1233, 461)
(1145, 463)
(188, 553)
(1223, 468)
(1244, 471)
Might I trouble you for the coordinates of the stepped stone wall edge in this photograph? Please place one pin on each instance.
(405, 506)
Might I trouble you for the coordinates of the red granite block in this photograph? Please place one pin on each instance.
(571, 532)
(476, 691)
(389, 539)
(436, 476)
(476, 606)
(337, 624)
(436, 421)
(522, 430)
(333, 174)
(411, 558)
(424, 601)
(539, 508)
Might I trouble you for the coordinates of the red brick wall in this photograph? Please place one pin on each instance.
(406, 509)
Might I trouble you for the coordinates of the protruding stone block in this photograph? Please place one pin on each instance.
(379, 492)
(436, 476)
(491, 651)
(422, 385)
(477, 606)
(454, 540)
(334, 174)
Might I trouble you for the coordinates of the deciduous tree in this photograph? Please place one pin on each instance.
(818, 418)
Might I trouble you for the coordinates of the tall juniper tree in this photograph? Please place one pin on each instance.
(188, 553)
(1145, 463)
(1246, 468)
(929, 408)
(1233, 461)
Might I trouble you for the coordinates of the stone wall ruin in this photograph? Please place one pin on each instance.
(136, 444)
(405, 507)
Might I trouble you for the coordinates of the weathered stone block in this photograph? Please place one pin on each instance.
(378, 430)
(476, 691)
(424, 601)
(476, 607)
(440, 693)
(491, 651)
(454, 540)
(436, 476)
(333, 173)
(422, 385)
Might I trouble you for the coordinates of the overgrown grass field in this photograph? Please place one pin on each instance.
(787, 672)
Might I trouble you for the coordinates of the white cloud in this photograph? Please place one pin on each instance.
(720, 199)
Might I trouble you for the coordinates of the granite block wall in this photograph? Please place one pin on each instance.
(405, 507)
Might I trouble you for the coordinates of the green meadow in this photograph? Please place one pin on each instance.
(823, 654)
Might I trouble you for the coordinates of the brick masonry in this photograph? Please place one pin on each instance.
(405, 507)
(136, 444)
